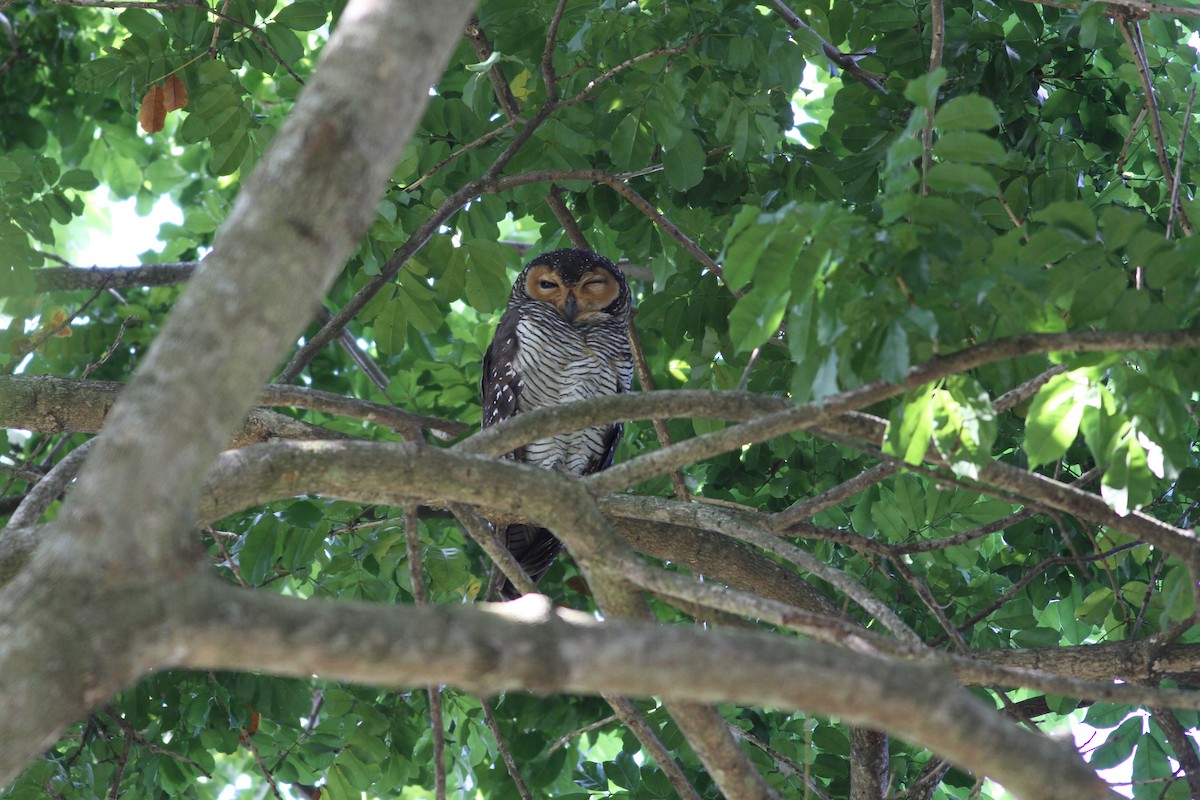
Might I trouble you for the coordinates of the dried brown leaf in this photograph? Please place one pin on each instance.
(153, 113)
(175, 94)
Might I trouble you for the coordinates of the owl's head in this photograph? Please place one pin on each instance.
(585, 288)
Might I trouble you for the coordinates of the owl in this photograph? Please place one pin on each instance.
(563, 337)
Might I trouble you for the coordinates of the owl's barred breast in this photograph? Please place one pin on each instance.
(558, 364)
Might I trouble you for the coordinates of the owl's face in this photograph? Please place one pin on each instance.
(584, 288)
(579, 302)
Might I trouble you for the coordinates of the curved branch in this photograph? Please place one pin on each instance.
(527, 645)
(807, 416)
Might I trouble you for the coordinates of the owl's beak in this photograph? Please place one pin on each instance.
(569, 312)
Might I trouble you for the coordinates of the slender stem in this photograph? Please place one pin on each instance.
(506, 754)
(938, 16)
(1176, 209)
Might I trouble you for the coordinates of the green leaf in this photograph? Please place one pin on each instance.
(1095, 606)
(910, 502)
(1150, 768)
(82, 179)
(228, 155)
(1089, 25)
(890, 522)
(9, 171)
(302, 514)
(910, 427)
(923, 90)
(1054, 416)
(894, 354)
(141, 23)
(1187, 485)
(98, 74)
(485, 281)
(417, 300)
(965, 425)
(302, 15)
(951, 177)
(287, 46)
(683, 162)
(624, 142)
(1127, 482)
(744, 245)
(1178, 599)
(1119, 745)
(338, 785)
(257, 552)
(969, 147)
(756, 317)
(123, 176)
(967, 113)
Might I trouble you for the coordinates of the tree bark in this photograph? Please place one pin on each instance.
(85, 617)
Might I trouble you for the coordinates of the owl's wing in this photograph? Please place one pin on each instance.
(608, 445)
(501, 385)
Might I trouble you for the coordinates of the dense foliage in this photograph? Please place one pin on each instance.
(877, 218)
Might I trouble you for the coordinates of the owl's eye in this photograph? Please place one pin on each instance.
(545, 284)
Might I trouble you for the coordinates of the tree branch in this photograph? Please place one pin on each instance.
(527, 645)
(124, 531)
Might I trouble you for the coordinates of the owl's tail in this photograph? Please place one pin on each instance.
(534, 549)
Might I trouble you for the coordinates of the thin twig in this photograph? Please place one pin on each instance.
(646, 379)
(1144, 6)
(505, 753)
(112, 348)
(559, 208)
(843, 60)
(1133, 131)
(114, 790)
(781, 521)
(466, 148)
(935, 62)
(600, 723)
(216, 34)
(484, 50)
(1028, 578)
(608, 75)
(416, 575)
(1133, 40)
(786, 764)
(1187, 121)
(637, 724)
(407, 423)
(484, 534)
(141, 741)
(621, 188)
(548, 53)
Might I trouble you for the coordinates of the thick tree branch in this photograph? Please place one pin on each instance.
(49, 404)
(124, 532)
(1048, 493)
(1146, 6)
(527, 645)
(62, 279)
